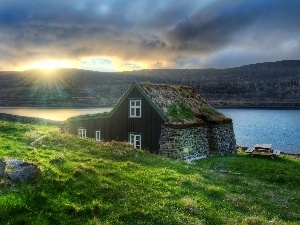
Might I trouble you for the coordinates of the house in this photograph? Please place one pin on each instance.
(171, 120)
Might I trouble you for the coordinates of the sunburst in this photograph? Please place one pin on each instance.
(50, 64)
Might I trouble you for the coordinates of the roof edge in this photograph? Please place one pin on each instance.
(151, 102)
(120, 101)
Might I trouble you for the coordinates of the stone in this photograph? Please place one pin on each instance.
(2, 169)
(20, 171)
(194, 143)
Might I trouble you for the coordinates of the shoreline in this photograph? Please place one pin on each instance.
(257, 107)
(290, 154)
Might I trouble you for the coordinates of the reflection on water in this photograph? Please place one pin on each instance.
(52, 114)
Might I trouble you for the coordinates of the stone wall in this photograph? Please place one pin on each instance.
(184, 143)
(25, 119)
(221, 139)
(197, 142)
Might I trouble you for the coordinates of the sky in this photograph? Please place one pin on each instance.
(124, 35)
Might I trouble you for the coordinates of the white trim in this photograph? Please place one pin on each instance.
(135, 108)
(82, 132)
(135, 140)
(98, 135)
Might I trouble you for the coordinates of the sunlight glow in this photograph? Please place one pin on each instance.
(50, 64)
(111, 64)
(94, 63)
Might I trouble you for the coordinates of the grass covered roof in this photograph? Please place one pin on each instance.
(182, 104)
(179, 105)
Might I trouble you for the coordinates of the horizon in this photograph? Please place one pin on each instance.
(138, 35)
(46, 70)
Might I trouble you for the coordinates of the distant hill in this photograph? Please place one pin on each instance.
(262, 84)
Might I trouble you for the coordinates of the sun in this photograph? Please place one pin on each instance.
(50, 64)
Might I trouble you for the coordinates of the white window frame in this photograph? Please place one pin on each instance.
(135, 140)
(98, 135)
(135, 106)
(81, 132)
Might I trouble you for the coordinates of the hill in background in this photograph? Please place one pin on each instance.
(262, 84)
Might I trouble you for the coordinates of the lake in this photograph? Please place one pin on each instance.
(279, 127)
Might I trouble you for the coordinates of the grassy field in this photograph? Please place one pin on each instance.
(85, 182)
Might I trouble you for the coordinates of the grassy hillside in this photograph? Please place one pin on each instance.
(85, 182)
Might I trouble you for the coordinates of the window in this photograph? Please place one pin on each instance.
(98, 135)
(136, 140)
(82, 132)
(135, 108)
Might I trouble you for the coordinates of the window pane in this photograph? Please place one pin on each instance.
(82, 132)
(132, 103)
(138, 112)
(131, 138)
(132, 112)
(138, 139)
(98, 135)
(138, 103)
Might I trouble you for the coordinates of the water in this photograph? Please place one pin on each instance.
(279, 127)
(52, 114)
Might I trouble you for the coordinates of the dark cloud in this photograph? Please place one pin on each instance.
(153, 43)
(223, 22)
(165, 33)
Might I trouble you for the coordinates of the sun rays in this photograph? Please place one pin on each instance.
(49, 65)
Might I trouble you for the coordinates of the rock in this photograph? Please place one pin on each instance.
(20, 171)
(2, 169)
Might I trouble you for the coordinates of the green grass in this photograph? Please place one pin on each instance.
(85, 182)
(180, 111)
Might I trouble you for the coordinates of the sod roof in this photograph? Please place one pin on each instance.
(182, 104)
(177, 104)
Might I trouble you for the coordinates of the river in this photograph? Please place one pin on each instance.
(279, 127)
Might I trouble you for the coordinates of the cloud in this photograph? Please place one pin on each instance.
(153, 34)
(223, 22)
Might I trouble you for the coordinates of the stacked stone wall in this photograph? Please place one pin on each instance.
(221, 138)
(184, 143)
(197, 142)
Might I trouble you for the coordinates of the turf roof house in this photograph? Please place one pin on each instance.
(174, 121)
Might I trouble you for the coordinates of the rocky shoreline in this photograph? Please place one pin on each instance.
(296, 155)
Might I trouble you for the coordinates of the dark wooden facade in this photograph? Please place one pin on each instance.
(118, 125)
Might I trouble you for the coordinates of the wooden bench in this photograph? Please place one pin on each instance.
(263, 149)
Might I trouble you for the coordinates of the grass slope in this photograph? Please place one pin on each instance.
(85, 182)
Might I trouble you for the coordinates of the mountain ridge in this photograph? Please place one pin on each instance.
(262, 84)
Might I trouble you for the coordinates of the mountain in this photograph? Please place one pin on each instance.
(261, 84)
